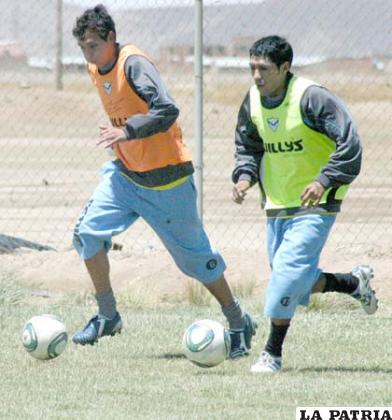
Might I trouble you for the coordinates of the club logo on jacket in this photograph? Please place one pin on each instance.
(273, 123)
(107, 87)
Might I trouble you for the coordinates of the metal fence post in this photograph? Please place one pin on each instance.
(59, 45)
(198, 61)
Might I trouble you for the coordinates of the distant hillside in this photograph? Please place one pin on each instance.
(327, 28)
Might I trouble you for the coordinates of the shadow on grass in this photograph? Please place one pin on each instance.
(169, 356)
(320, 369)
(202, 370)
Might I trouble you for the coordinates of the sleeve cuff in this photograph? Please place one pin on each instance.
(245, 177)
(129, 132)
(324, 181)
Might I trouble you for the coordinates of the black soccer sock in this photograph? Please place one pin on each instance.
(341, 283)
(275, 340)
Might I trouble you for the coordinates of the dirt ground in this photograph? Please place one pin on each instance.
(62, 272)
(50, 166)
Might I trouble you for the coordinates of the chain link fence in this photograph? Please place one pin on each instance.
(51, 112)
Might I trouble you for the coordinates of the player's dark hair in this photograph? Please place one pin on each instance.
(96, 19)
(274, 47)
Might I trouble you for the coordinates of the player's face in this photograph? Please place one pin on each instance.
(269, 78)
(96, 50)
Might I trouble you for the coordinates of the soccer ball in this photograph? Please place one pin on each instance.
(206, 343)
(44, 336)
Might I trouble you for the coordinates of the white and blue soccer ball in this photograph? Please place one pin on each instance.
(44, 336)
(206, 343)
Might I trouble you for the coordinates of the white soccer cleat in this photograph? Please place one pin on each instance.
(366, 295)
(266, 363)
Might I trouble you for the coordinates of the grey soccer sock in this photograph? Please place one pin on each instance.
(106, 304)
(234, 315)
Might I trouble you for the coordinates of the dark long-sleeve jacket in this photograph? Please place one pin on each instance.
(321, 111)
(144, 79)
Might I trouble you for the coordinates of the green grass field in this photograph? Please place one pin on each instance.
(333, 357)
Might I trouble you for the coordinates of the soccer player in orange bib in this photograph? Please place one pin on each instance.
(151, 177)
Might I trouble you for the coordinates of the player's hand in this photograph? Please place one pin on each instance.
(239, 191)
(109, 135)
(312, 194)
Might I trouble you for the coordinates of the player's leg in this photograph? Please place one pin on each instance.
(294, 247)
(242, 326)
(356, 284)
(173, 216)
(98, 268)
(107, 214)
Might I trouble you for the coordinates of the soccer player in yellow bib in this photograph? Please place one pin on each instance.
(299, 143)
(150, 177)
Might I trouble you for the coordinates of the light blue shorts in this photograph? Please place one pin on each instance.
(294, 248)
(118, 202)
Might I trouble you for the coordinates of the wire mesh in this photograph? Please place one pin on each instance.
(50, 164)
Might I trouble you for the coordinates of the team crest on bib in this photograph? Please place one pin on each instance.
(108, 87)
(273, 123)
